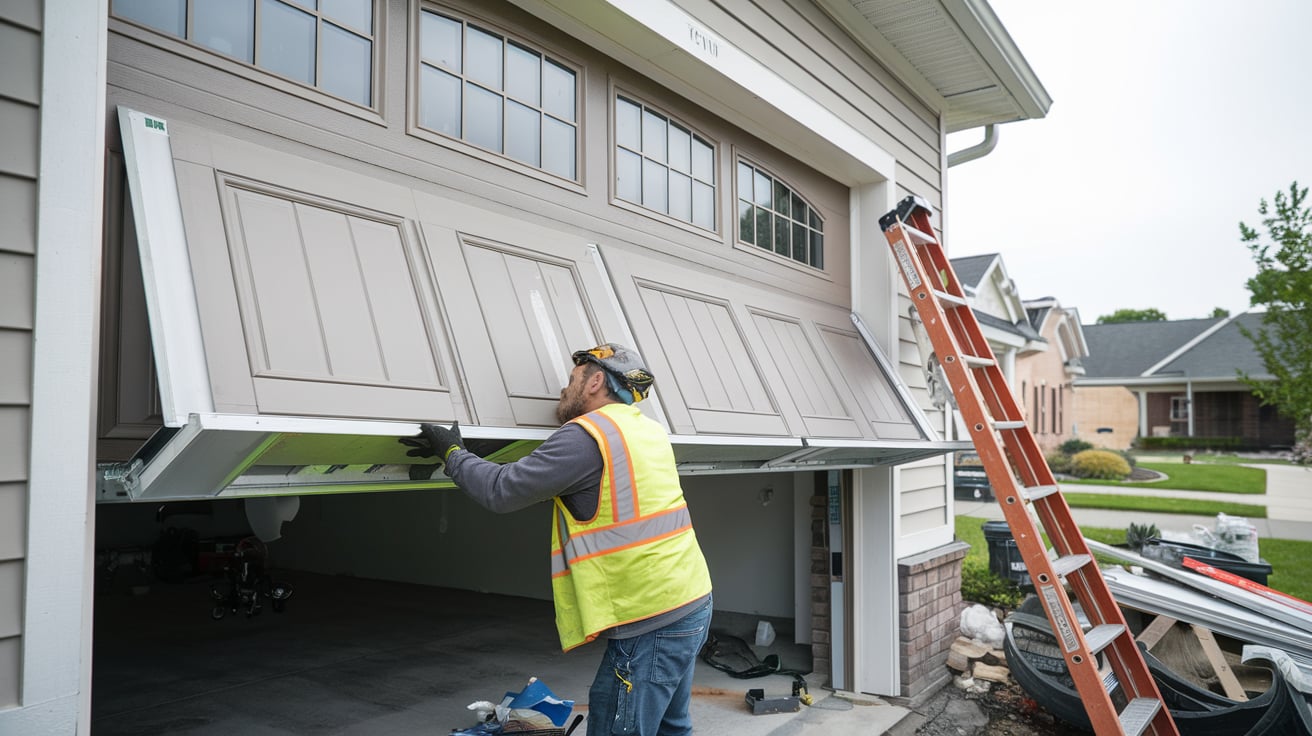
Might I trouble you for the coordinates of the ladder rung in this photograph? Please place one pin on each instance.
(1138, 714)
(1034, 493)
(1063, 566)
(918, 237)
(1101, 635)
(1009, 424)
(975, 361)
(953, 299)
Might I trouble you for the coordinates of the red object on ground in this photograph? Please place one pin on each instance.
(1253, 587)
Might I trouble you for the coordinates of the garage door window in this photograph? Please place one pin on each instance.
(328, 44)
(498, 94)
(663, 165)
(773, 216)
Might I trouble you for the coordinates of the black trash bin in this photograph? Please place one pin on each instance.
(1004, 556)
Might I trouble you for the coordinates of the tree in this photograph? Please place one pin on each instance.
(1283, 285)
(1132, 315)
(1219, 313)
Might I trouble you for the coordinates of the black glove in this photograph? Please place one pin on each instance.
(435, 441)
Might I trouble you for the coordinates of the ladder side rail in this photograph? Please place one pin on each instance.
(982, 396)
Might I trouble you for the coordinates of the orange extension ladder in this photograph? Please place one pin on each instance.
(1021, 478)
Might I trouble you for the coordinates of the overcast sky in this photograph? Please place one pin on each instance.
(1170, 120)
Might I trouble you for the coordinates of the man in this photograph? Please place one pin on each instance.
(625, 563)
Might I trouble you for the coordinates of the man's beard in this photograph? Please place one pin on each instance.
(570, 406)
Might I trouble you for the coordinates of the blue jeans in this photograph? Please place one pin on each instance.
(644, 683)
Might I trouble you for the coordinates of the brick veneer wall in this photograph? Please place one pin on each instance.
(821, 656)
(929, 614)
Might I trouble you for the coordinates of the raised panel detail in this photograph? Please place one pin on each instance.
(536, 315)
(873, 390)
(722, 388)
(811, 388)
(331, 307)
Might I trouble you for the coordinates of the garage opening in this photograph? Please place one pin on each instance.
(405, 608)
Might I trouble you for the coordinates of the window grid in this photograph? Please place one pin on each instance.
(773, 216)
(283, 37)
(479, 86)
(661, 164)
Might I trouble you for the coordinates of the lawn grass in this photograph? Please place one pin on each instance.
(1286, 556)
(1163, 505)
(1193, 477)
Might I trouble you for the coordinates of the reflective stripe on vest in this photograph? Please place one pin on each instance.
(615, 538)
(623, 496)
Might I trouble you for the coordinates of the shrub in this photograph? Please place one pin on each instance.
(1189, 443)
(1072, 446)
(1059, 462)
(980, 585)
(1128, 457)
(1100, 464)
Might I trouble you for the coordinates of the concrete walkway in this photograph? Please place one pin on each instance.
(1288, 501)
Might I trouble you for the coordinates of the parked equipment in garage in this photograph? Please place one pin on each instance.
(247, 585)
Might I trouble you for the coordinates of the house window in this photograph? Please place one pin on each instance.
(327, 44)
(1056, 414)
(663, 165)
(1179, 409)
(498, 94)
(773, 216)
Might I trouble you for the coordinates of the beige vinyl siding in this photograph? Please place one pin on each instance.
(923, 503)
(805, 47)
(20, 115)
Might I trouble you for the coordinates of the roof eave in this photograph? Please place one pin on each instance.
(990, 38)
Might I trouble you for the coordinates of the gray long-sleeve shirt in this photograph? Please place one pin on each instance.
(568, 464)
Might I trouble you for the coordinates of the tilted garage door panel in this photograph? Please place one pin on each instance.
(722, 389)
(888, 417)
(811, 388)
(535, 315)
(330, 308)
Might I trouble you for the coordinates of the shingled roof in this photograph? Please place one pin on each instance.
(1199, 348)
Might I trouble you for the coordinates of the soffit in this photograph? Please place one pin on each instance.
(955, 50)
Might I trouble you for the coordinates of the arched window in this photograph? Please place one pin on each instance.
(773, 216)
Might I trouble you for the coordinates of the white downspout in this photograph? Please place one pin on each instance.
(979, 150)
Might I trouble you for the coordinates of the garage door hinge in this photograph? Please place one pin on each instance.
(118, 481)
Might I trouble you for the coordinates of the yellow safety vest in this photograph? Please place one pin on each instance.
(638, 556)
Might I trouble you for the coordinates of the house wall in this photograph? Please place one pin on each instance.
(1111, 408)
(20, 118)
(1045, 390)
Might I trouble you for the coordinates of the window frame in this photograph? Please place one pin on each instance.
(213, 58)
(742, 159)
(1179, 408)
(614, 93)
(520, 37)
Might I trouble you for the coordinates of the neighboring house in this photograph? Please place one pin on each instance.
(1038, 343)
(1001, 314)
(1175, 378)
(1044, 379)
(246, 251)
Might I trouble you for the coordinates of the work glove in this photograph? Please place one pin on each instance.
(434, 440)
